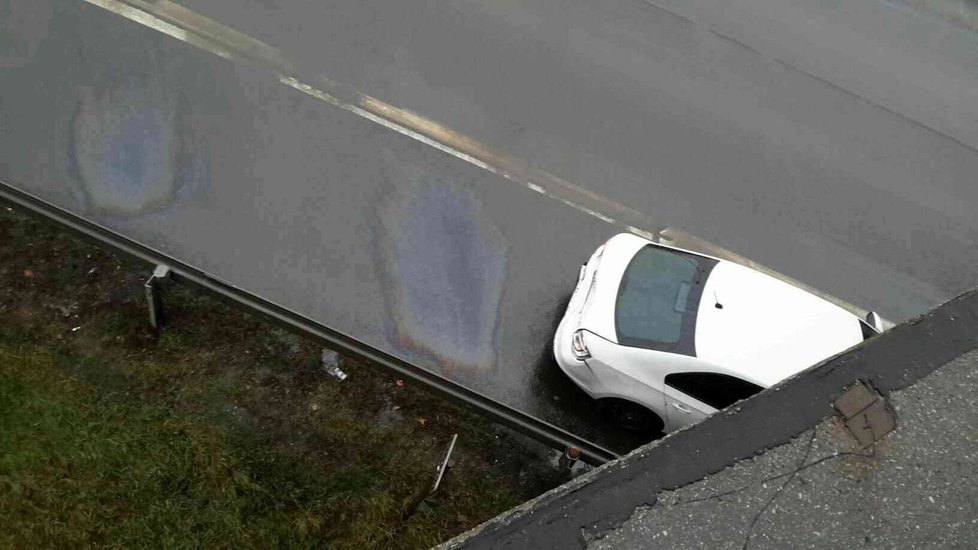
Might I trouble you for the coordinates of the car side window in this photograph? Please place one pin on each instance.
(716, 390)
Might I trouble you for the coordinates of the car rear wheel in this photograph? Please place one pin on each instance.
(631, 416)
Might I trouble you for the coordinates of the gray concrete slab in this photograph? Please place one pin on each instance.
(801, 152)
(916, 488)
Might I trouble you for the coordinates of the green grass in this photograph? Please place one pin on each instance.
(221, 432)
(79, 469)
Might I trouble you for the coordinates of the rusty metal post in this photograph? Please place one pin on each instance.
(565, 464)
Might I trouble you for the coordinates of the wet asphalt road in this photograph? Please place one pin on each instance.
(310, 207)
(836, 144)
(438, 261)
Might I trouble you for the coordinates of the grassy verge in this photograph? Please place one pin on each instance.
(222, 432)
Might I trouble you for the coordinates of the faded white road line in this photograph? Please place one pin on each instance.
(202, 32)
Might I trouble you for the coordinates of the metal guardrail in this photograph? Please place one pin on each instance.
(184, 274)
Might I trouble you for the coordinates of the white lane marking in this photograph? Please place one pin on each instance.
(324, 96)
(211, 36)
(641, 233)
(159, 25)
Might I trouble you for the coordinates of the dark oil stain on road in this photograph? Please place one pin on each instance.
(444, 265)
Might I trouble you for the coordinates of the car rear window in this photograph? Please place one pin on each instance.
(658, 298)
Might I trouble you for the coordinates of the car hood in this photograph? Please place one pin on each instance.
(767, 330)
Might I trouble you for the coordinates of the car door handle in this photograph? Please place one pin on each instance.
(681, 408)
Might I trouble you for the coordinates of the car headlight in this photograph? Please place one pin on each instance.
(580, 348)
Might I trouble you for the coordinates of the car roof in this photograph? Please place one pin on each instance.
(766, 329)
(776, 354)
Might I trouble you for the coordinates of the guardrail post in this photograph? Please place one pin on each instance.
(154, 287)
(565, 464)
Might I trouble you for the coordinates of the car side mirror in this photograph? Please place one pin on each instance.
(873, 320)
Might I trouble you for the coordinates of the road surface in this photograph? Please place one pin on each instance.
(834, 144)
(442, 262)
(315, 209)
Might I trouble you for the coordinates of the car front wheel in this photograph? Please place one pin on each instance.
(630, 416)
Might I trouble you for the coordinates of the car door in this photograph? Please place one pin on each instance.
(628, 373)
(681, 408)
(692, 396)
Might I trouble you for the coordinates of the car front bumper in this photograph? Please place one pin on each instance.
(575, 369)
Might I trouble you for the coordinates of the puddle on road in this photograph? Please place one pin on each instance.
(126, 149)
(81, 118)
(444, 264)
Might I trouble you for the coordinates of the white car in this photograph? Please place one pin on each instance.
(664, 337)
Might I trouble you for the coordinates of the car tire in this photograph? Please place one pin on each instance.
(631, 416)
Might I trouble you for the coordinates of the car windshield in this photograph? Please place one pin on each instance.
(658, 298)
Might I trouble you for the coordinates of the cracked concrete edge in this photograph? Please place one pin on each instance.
(605, 497)
(726, 494)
